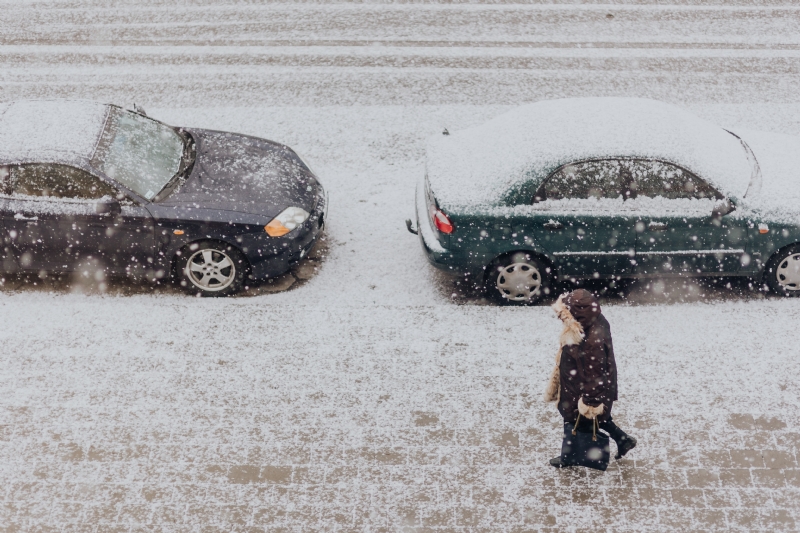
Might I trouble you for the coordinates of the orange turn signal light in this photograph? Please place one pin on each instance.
(178, 232)
(276, 229)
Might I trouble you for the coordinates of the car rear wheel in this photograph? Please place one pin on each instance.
(782, 274)
(211, 269)
(518, 279)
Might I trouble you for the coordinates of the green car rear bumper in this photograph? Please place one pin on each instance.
(435, 244)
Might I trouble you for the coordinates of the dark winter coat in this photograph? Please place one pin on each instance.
(587, 371)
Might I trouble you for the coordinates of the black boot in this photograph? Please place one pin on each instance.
(624, 445)
(557, 462)
(625, 442)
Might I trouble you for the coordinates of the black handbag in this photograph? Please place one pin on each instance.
(581, 448)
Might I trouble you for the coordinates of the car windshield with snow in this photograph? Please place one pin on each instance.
(87, 182)
(610, 188)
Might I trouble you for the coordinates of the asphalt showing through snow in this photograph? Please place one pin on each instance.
(376, 394)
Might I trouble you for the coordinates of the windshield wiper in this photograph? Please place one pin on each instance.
(187, 163)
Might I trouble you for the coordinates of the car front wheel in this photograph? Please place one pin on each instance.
(518, 279)
(211, 269)
(782, 274)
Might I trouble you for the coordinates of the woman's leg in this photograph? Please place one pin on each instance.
(625, 442)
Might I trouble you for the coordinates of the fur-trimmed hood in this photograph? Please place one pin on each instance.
(573, 331)
(583, 306)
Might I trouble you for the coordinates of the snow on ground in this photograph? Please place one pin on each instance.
(366, 398)
(380, 395)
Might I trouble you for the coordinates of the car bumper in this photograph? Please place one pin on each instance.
(435, 252)
(285, 252)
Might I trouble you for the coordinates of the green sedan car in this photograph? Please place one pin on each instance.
(609, 188)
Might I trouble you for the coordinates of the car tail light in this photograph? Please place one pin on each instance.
(442, 222)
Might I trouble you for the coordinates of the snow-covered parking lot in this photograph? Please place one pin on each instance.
(378, 395)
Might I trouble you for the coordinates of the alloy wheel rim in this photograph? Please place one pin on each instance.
(519, 282)
(788, 272)
(210, 270)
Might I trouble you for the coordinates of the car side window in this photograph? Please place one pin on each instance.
(652, 179)
(584, 180)
(57, 181)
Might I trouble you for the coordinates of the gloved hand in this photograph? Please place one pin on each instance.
(588, 411)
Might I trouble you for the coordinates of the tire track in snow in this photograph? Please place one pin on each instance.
(266, 24)
(368, 54)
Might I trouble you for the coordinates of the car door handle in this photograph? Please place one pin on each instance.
(657, 226)
(20, 216)
(553, 225)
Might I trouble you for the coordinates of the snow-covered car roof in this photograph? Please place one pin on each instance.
(50, 131)
(480, 165)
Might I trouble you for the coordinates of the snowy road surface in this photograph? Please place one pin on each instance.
(378, 395)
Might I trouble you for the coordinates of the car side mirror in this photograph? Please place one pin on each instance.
(107, 206)
(723, 207)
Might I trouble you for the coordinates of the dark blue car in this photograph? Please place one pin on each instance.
(87, 181)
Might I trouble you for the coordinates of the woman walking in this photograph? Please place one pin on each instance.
(584, 381)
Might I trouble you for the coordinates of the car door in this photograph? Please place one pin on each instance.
(676, 232)
(579, 216)
(52, 222)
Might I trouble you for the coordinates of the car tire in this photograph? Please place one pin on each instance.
(519, 278)
(782, 274)
(211, 268)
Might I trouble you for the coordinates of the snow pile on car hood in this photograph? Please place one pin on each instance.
(478, 166)
(245, 174)
(49, 130)
(777, 193)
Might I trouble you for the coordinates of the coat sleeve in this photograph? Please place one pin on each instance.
(594, 372)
